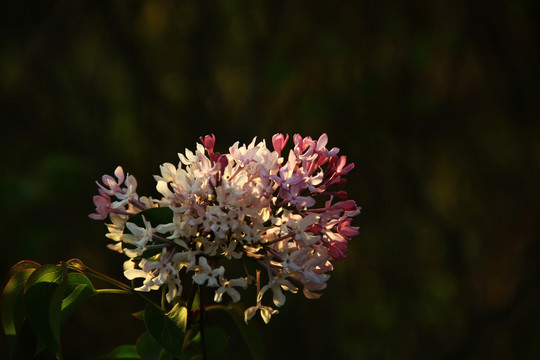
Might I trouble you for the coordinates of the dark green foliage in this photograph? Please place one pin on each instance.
(164, 330)
(251, 337)
(124, 352)
(148, 348)
(47, 295)
(13, 307)
(156, 216)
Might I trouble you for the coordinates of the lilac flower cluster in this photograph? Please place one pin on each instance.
(287, 216)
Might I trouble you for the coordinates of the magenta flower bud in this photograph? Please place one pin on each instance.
(209, 141)
(347, 205)
(348, 231)
(338, 249)
(222, 161)
(279, 141)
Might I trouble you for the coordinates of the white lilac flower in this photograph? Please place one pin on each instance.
(185, 259)
(131, 273)
(139, 238)
(266, 312)
(205, 273)
(282, 211)
(174, 286)
(277, 284)
(227, 286)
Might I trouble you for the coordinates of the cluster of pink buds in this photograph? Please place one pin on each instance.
(287, 217)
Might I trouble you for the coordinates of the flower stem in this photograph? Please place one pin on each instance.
(270, 275)
(281, 238)
(163, 300)
(162, 239)
(113, 291)
(191, 296)
(76, 264)
(202, 319)
(108, 279)
(137, 203)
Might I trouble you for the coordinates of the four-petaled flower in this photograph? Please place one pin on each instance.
(266, 312)
(226, 286)
(205, 273)
(277, 284)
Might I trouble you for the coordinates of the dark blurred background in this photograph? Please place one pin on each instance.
(436, 102)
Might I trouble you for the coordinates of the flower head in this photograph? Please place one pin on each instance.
(285, 215)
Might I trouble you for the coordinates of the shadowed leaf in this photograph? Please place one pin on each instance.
(148, 348)
(179, 315)
(252, 337)
(123, 352)
(164, 330)
(21, 266)
(55, 309)
(156, 216)
(78, 290)
(216, 341)
(40, 287)
(12, 308)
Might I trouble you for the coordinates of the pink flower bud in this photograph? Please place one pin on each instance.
(222, 161)
(209, 141)
(103, 206)
(279, 141)
(346, 230)
(347, 205)
(338, 249)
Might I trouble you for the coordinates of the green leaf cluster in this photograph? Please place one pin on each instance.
(167, 338)
(46, 295)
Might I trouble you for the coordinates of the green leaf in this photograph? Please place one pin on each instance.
(156, 216)
(40, 288)
(196, 301)
(165, 355)
(179, 315)
(123, 352)
(12, 308)
(148, 348)
(78, 290)
(22, 266)
(216, 341)
(252, 337)
(164, 330)
(75, 279)
(55, 310)
(192, 342)
(200, 357)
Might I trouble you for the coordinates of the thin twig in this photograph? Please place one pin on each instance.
(202, 319)
(162, 239)
(281, 238)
